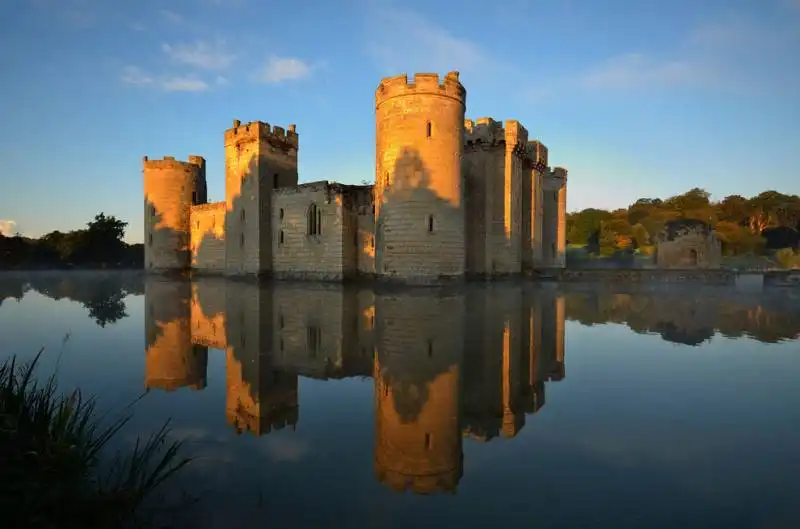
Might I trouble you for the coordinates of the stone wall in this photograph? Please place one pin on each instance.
(689, 251)
(208, 313)
(258, 159)
(716, 277)
(418, 185)
(170, 188)
(315, 233)
(495, 160)
(207, 223)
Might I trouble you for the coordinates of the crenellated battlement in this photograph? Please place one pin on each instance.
(559, 172)
(287, 139)
(537, 152)
(487, 132)
(169, 162)
(422, 84)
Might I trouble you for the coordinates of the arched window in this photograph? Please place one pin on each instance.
(428, 128)
(314, 220)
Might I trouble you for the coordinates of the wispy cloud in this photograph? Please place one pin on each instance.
(133, 75)
(137, 26)
(403, 40)
(8, 228)
(730, 53)
(281, 69)
(171, 16)
(210, 56)
(635, 70)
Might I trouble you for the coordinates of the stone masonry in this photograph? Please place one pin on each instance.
(452, 198)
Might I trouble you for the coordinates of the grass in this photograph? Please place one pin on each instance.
(52, 449)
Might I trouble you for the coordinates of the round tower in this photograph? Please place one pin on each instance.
(417, 376)
(170, 188)
(419, 203)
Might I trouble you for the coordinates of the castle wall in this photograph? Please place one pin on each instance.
(554, 221)
(362, 207)
(419, 197)
(258, 159)
(170, 188)
(694, 250)
(532, 196)
(207, 223)
(494, 165)
(315, 233)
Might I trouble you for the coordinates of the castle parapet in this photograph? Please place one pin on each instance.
(537, 153)
(169, 162)
(487, 132)
(423, 83)
(285, 139)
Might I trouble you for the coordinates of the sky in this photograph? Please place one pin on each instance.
(637, 98)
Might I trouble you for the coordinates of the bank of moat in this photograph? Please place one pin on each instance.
(452, 198)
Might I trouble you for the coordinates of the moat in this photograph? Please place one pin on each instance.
(537, 405)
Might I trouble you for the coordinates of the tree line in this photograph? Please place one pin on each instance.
(100, 245)
(757, 225)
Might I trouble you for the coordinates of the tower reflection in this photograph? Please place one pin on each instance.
(446, 365)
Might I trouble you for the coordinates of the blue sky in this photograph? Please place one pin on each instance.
(636, 98)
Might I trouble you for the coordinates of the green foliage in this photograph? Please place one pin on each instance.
(788, 258)
(52, 444)
(740, 222)
(99, 245)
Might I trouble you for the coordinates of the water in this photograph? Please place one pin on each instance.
(569, 406)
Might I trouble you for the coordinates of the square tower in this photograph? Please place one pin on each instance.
(258, 159)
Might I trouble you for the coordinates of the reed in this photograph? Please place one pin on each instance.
(54, 470)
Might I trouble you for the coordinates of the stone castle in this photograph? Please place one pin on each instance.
(452, 198)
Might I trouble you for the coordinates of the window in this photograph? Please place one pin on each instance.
(314, 220)
(242, 215)
(241, 240)
(281, 236)
(430, 223)
(428, 130)
(197, 224)
(313, 340)
(430, 348)
(152, 211)
(427, 441)
(280, 213)
(275, 181)
(150, 240)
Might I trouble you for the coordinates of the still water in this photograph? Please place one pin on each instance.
(553, 406)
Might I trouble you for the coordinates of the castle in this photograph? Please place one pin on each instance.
(452, 198)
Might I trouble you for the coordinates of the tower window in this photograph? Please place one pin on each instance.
(150, 239)
(430, 348)
(430, 223)
(428, 129)
(280, 214)
(275, 181)
(242, 215)
(427, 441)
(241, 240)
(314, 220)
(281, 236)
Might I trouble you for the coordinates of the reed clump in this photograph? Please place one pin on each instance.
(55, 471)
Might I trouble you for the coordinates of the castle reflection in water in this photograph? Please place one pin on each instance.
(445, 365)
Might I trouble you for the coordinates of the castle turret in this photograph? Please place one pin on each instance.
(171, 187)
(258, 159)
(554, 223)
(419, 199)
